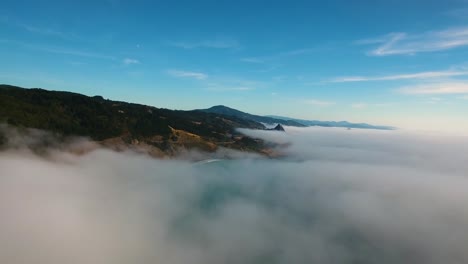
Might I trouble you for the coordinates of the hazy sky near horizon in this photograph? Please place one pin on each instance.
(400, 63)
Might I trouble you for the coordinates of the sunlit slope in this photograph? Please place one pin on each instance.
(120, 124)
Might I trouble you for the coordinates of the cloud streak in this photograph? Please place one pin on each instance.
(436, 88)
(58, 50)
(253, 60)
(41, 30)
(320, 103)
(129, 61)
(409, 44)
(227, 89)
(230, 83)
(44, 31)
(359, 105)
(187, 74)
(289, 53)
(213, 44)
(409, 76)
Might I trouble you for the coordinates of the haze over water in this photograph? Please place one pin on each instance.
(359, 196)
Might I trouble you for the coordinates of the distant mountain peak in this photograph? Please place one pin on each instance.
(278, 127)
(225, 110)
(220, 106)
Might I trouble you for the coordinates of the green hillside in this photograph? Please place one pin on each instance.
(73, 114)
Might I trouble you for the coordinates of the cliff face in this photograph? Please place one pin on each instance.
(121, 125)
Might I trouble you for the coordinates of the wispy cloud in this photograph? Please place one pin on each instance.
(226, 89)
(434, 100)
(187, 74)
(40, 30)
(221, 43)
(58, 50)
(359, 105)
(363, 105)
(320, 103)
(419, 75)
(233, 83)
(297, 52)
(289, 53)
(406, 44)
(49, 32)
(253, 60)
(129, 61)
(73, 52)
(436, 88)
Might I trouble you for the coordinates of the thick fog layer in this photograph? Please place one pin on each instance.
(357, 196)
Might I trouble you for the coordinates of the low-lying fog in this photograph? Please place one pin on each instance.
(357, 196)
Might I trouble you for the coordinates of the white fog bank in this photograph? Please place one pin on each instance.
(358, 196)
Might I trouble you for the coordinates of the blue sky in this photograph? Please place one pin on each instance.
(401, 63)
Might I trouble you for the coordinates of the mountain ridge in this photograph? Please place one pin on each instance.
(225, 110)
(344, 124)
(121, 125)
(288, 121)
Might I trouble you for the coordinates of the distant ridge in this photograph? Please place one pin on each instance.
(224, 110)
(288, 121)
(345, 124)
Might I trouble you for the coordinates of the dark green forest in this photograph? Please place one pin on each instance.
(73, 114)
